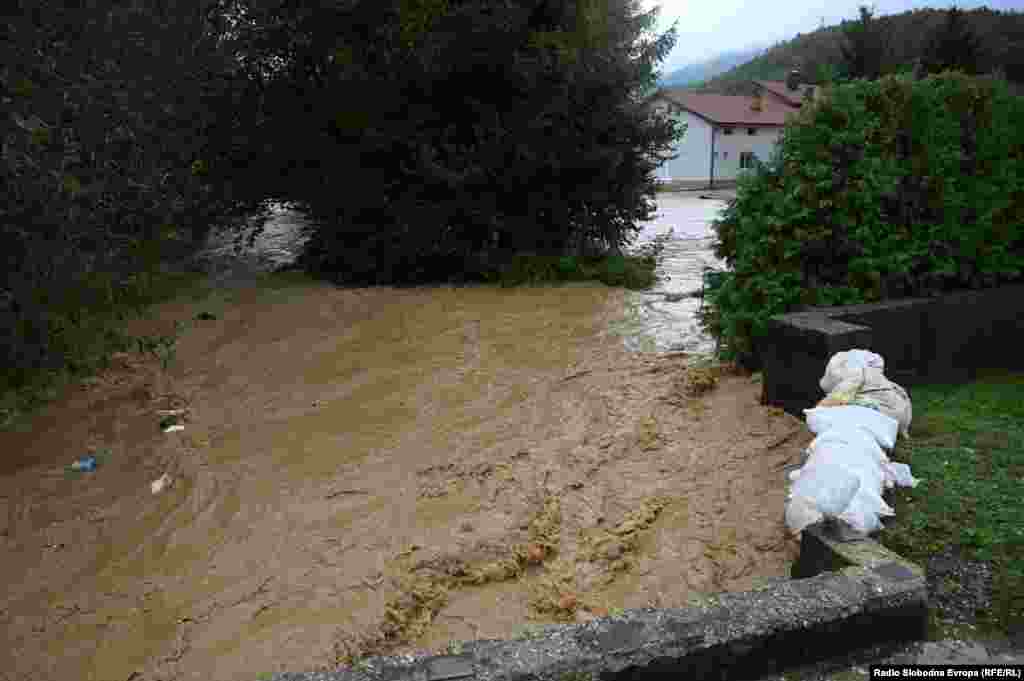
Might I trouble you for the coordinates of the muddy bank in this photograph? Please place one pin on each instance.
(378, 471)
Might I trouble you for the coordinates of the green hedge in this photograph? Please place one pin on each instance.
(881, 189)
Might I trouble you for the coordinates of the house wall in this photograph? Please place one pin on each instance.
(693, 150)
(728, 148)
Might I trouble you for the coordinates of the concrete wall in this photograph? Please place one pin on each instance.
(923, 340)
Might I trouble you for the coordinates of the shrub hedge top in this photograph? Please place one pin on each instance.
(879, 189)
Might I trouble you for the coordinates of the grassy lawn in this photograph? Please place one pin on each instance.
(968, 449)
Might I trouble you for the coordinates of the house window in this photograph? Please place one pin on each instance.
(751, 131)
(725, 154)
(747, 159)
(726, 131)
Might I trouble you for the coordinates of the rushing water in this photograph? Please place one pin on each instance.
(664, 317)
(343, 449)
(659, 319)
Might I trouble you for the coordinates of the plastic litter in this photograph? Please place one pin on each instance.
(160, 483)
(85, 464)
(173, 429)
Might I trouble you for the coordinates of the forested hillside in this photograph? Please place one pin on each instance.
(1001, 37)
(709, 68)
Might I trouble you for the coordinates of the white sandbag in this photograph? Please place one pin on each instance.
(900, 473)
(883, 428)
(845, 436)
(857, 377)
(858, 461)
(801, 513)
(881, 394)
(847, 467)
(856, 436)
(842, 363)
(865, 510)
(830, 487)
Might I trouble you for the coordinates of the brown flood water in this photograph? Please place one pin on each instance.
(377, 471)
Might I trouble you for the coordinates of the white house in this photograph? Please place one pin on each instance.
(725, 134)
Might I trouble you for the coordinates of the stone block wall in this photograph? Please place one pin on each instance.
(945, 339)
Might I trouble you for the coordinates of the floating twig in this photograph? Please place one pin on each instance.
(340, 492)
(783, 440)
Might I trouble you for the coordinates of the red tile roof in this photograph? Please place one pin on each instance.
(729, 109)
(778, 88)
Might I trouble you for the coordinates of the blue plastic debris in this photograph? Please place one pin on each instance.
(84, 464)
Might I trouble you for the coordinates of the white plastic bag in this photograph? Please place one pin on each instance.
(851, 435)
(864, 511)
(858, 461)
(801, 513)
(881, 394)
(830, 487)
(843, 363)
(847, 467)
(883, 428)
(857, 377)
(900, 473)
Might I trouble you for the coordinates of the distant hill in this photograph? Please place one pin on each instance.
(704, 70)
(1001, 33)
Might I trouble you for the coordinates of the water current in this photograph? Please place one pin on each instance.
(662, 318)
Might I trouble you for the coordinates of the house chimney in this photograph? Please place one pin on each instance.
(793, 80)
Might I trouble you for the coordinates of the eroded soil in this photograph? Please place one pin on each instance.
(378, 471)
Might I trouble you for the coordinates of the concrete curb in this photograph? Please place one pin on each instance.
(845, 595)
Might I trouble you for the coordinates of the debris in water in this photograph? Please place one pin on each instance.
(158, 485)
(84, 464)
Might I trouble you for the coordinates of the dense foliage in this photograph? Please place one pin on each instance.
(864, 48)
(907, 37)
(882, 189)
(428, 139)
(438, 139)
(953, 47)
(106, 109)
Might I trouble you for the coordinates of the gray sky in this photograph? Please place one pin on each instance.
(708, 27)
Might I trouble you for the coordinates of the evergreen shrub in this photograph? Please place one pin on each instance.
(881, 189)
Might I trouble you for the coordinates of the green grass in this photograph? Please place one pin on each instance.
(85, 325)
(967, 447)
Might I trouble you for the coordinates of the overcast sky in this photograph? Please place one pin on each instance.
(708, 27)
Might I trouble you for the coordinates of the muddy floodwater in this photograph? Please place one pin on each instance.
(379, 470)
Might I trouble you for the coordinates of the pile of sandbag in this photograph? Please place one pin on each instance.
(847, 468)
